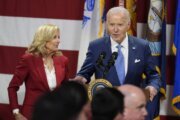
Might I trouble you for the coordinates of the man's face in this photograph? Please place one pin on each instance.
(117, 25)
(136, 110)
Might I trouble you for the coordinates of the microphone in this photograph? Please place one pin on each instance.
(112, 59)
(110, 62)
(100, 59)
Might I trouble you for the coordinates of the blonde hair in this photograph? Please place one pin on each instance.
(43, 34)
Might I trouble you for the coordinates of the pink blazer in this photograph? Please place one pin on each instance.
(30, 70)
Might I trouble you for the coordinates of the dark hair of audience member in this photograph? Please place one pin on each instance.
(64, 103)
(106, 104)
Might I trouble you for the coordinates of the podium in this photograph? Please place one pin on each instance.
(96, 85)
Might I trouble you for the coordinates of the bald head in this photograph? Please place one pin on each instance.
(130, 89)
(131, 93)
(119, 10)
(135, 102)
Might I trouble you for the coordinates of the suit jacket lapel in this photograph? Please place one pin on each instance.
(108, 46)
(112, 72)
(57, 66)
(131, 57)
(41, 71)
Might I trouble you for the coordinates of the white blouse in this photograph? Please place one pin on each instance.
(51, 77)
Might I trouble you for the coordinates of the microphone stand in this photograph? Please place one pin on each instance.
(110, 63)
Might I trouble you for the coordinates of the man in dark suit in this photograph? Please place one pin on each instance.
(136, 55)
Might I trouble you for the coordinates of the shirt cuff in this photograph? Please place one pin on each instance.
(15, 111)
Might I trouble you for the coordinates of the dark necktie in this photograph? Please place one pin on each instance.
(119, 64)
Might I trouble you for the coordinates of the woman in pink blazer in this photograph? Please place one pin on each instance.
(42, 68)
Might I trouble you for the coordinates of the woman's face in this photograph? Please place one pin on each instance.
(52, 45)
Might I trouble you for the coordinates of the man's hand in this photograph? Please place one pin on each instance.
(152, 92)
(79, 79)
(19, 116)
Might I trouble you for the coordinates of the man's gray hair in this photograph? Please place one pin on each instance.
(119, 9)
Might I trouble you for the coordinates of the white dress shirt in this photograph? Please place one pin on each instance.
(124, 50)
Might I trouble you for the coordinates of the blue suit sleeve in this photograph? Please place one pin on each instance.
(150, 70)
(88, 67)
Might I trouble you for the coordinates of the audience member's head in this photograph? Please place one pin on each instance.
(135, 102)
(65, 103)
(107, 104)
